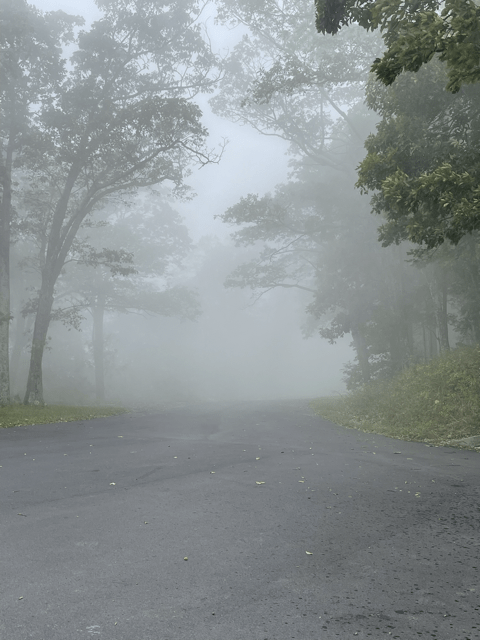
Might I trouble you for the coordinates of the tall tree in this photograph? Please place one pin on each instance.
(31, 67)
(414, 32)
(123, 118)
(318, 236)
(285, 81)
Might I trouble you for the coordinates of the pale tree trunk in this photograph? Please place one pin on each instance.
(442, 311)
(397, 353)
(404, 311)
(34, 392)
(98, 348)
(4, 328)
(360, 346)
(5, 218)
(424, 343)
(429, 326)
(437, 287)
(474, 271)
(22, 327)
(433, 343)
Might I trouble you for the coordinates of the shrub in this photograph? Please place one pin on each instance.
(435, 402)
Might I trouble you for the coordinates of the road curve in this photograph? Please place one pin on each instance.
(246, 521)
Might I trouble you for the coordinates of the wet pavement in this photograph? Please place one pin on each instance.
(240, 521)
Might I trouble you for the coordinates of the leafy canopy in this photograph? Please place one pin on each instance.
(285, 81)
(413, 32)
(424, 163)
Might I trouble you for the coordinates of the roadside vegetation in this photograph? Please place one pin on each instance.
(17, 415)
(437, 403)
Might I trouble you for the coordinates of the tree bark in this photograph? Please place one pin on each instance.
(5, 223)
(98, 348)
(22, 327)
(34, 392)
(57, 250)
(433, 343)
(474, 271)
(438, 290)
(405, 354)
(360, 346)
(442, 312)
(424, 343)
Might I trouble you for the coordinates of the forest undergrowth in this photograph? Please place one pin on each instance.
(17, 415)
(437, 403)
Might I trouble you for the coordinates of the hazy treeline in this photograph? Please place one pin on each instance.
(416, 292)
(96, 150)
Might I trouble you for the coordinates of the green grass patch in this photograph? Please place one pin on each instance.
(435, 403)
(21, 415)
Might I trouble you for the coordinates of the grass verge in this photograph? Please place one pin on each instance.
(437, 403)
(21, 415)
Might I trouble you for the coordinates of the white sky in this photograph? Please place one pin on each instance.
(252, 163)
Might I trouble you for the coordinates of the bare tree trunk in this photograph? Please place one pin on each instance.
(438, 290)
(433, 343)
(397, 353)
(98, 348)
(474, 272)
(405, 311)
(360, 346)
(34, 392)
(5, 220)
(4, 325)
(424, 343)
(19, 342)
(57, 250)
(442, 312)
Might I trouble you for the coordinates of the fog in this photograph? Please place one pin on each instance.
(235, 259)
(242, 344)
(237, 349)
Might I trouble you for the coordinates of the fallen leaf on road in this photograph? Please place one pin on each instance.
(21, 598)
(309, 553)
(21, 514)
(301, 480)
(185, 558)
(257, 458)
(119, 436)
(259, 482)
(212, 471)
(112, 483)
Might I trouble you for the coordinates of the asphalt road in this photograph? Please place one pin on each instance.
(293, 529)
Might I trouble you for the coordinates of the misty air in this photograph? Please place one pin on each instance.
(239, 319)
